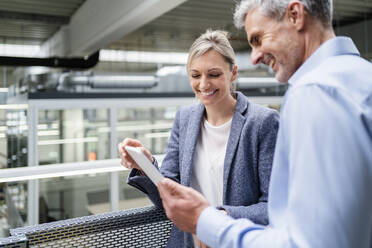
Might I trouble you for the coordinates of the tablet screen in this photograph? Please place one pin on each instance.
(145, 164)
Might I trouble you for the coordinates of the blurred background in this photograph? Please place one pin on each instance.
(78, 76)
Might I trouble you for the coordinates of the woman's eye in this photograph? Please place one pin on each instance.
(214, 75)
(195, 76)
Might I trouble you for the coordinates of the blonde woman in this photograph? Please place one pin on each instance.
(223, 146)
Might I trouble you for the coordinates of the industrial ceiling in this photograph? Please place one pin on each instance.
(33, 22)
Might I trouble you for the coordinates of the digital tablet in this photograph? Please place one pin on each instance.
(145, 164)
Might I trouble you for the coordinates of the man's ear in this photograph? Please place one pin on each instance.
(296, 14)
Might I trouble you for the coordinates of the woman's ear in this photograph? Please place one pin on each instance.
(234, 73)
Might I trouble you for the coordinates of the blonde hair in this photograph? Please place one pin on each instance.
(217, 40)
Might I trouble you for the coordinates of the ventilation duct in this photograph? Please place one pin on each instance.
(108, 81)
(55, 62)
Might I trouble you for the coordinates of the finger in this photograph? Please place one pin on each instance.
(199, 244)
(123, 154)
(120, 149)
(165, 189)
(131, 142)
(164, 196)
(147, 153)
(170, 188)
(162, 188)
(123, 163)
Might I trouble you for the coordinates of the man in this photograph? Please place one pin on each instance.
(321, 185)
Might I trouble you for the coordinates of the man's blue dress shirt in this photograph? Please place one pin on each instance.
(321, 185)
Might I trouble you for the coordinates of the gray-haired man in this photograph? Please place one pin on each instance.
(321, 185)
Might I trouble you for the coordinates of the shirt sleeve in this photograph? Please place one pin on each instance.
(327, 154)
(219, 230)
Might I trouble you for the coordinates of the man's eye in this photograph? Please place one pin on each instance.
(255, 41)
(195, 75)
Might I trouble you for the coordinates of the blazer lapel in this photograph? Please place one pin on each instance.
(232, 144)
(192, 134)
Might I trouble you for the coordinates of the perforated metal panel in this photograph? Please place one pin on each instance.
(18, 241)
(141, 227)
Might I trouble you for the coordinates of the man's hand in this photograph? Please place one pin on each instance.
(198, 243)
(182, 205)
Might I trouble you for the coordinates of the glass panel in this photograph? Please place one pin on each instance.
(13, 153)
(130, 197)
(75, 196)
(3, 140)
(152, 126)
(13, 138)
(277, 107)
(13, 206)
(72, 135)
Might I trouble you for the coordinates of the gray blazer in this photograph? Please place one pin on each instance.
(247, 167)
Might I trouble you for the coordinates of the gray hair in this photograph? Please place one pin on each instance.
(321, 9)
(213, 40)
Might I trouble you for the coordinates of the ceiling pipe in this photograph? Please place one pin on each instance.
(55, 62)
(256, 82)
(108, 81)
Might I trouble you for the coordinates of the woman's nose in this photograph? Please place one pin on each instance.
(203, 82)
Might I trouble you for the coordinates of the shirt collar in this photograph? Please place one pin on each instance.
(332, 47)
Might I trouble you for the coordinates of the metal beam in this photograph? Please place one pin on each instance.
(33, 161)
(98, 23)
(36, 18)
(114, 176)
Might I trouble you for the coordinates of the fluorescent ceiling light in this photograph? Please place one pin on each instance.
(19, 50)
(13, 106)
(67, 141)
(34, 70)
(48, 133)
(120, 78)
(257, 80)
(157, 135)
(171, 70)
(143, 57)
(137, 127)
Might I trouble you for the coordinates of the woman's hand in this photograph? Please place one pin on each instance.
(126, 159)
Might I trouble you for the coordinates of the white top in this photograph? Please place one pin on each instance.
(207, 174)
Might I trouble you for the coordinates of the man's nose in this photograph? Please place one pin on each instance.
(256, 56)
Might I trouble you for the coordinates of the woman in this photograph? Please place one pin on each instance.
(223, 147)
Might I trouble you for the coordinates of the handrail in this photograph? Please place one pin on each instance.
(65, 169)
